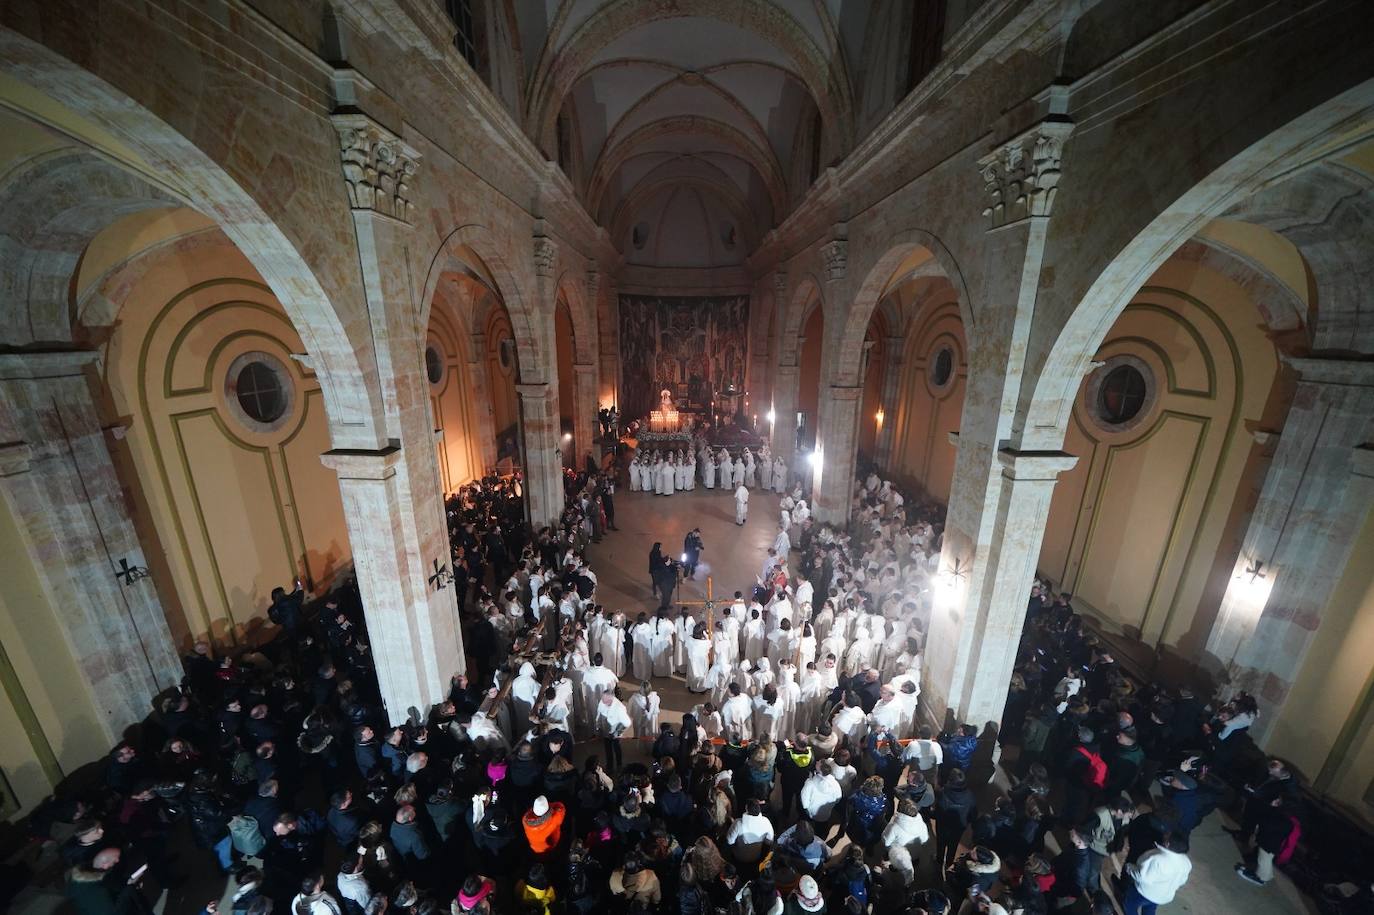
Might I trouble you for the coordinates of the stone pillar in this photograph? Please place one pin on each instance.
(785, 381)
(62, 486)
(1300, 533)
(543, 458)
(982, 586)
(584, 411)
(602, 293)
(837, 443)
(392, 496)
(482, 405)
(894, 365)
(411, 622)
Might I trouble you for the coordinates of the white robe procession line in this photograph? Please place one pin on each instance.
(698, 652)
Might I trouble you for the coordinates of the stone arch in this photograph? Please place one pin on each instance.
(804, 297)
(146, 144)
(51, 207)
(877, 280)
(451, 257)
(1049, 400)
(571, 287)
(1327, 212)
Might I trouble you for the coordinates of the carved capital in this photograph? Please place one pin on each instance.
(1022, 177)
(779, 282)
(545, 255)
(835, 254)
(378, 167)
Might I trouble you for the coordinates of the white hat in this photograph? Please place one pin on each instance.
(541, 806)
(809, 895)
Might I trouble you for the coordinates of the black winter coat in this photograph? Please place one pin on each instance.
(209, 812)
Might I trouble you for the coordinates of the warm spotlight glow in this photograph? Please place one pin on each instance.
(772, 417)
(567, 436)
(814, 458)
(879, 417)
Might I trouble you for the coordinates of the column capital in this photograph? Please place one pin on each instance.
(534, 392)
(1021, 176)
(49, 364)
(378, 166)
(784, 370)
(835, 254)
(1035, 465)
(352, 464)
(1349, 372)
(545, 255)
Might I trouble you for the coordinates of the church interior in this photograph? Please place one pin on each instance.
(390, 303)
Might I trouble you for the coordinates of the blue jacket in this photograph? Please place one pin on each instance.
(866, 816)
(959, 750)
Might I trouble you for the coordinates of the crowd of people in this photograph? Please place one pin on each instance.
(802, 780)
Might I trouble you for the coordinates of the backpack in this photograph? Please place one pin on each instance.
(1095, 775)
(854, 882)
(246, 836)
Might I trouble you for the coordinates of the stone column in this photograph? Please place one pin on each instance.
(602, 292)
(584, 411)
(411, 622)
(62, 486)
(837, 443)
(894, 365)
(982, 585)
(393, 497)
(543, 458)
(1300, 533)
(785, 381)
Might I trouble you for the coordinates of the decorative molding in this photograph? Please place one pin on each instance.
(1349, 372)
(378, 166)
(545, 256)
(15, 458)
(1022, 177)
(779, 283)
(835, 254)
(593, 284)
(1034, 465)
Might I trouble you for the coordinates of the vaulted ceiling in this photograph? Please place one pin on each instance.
(690, 126)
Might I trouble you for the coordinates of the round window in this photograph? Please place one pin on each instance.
(434, 365)
(1121, 396)
(260, 392)
(942, 367)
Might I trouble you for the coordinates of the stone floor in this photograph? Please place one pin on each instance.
(732, 558)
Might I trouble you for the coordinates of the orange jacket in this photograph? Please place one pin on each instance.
(544, 835)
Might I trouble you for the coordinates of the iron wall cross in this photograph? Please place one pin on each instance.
(130, 574)
(441, 577)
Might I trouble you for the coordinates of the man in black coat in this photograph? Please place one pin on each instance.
(796, 760)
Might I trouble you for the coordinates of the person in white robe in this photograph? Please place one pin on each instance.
(680, 473)
(812, 699)
(886, 716)
(782, 643)
(806, 645)
(767, 715)
(724, 469)
(830, 672)
(661, 638)
(748, 468)
(755, 644)
(698, 652)
(744, 677)
(763, 675)
(707, 715)
(851, 724)
(801, 513)
(833, 645)
(738, 478)
(725, 644)
(683, 627)
(690, 472)
(524, 693)
(741, 503)
(803, 592)
(634, 474)
(485, 732)
(611, 643)
(779, 476)
(641, 643)
(737, 714)
(718, 679)
(597, 679)
(789, 695)
(859, 656)
(708, 469)
(823, 620)
(644, 707)
(782, 544)
(669, 468)
(765, 473)
(891, 649)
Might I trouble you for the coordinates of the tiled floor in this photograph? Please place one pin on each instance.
(732, 558)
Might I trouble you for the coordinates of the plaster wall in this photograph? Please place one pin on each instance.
(238, 511)
(454, 408)
(927, 414)
(1136, 526)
